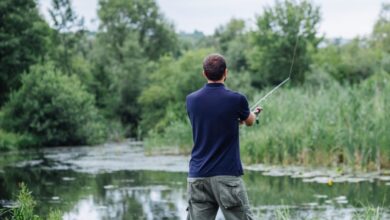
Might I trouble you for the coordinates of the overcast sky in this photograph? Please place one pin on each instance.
(340, 18)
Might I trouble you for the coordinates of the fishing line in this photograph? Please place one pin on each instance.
(283, 82)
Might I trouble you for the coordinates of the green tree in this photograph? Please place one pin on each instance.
(23, 41)
(132, 35)
(163, 99)
(233, 43)
(281, 28)
(381, 33)
(54, 108)
(118, 74)
(351, 62)
(195, 40)
(227, 33)
(68, 34)
(120, 18)
(381, 36)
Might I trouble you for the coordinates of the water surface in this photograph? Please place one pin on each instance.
(117, 181)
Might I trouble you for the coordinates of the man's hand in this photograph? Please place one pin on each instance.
(252, 117)
(258, 110)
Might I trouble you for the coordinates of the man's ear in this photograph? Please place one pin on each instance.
(226, 73)
(204, 75)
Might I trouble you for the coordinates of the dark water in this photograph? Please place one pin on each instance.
(119, 182)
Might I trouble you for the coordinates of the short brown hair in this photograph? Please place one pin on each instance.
(214, 66)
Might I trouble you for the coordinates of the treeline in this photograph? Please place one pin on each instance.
(64, 85)
(331, 114)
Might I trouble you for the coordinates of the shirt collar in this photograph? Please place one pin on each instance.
(212, 85)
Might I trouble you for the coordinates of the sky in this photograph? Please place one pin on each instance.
(340, 18)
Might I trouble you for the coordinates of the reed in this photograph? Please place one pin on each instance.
(328, 126)
(369, 213)
(322, 125)
(25, 206)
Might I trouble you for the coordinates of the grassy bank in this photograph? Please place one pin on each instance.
(313, 125)
(24, 209)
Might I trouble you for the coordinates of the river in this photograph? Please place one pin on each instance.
(117, 181)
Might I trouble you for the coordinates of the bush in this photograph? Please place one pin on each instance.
(53, 108)
(10, 141)
(177, 138)
(349, 63)
(163, 100)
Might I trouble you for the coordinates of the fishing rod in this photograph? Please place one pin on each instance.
(280, 84)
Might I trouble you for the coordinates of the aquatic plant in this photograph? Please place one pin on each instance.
(369, 213)
(25, 206)
(332, 126)
(314, 125)
(282, 214)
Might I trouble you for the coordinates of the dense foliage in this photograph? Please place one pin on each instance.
(335, 117)
(135, 71)
(285, 33)
(54, 108)
(164, 102)
(24, 39)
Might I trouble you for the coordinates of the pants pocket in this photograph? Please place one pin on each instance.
(229, 191)
(197, 191)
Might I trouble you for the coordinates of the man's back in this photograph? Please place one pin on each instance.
(214, 179)
(214, 112)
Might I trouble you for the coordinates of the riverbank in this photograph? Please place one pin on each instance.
(132, 156)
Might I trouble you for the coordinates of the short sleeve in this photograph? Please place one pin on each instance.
(186, 106)
(244, 108)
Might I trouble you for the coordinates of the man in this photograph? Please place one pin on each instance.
(214, 179)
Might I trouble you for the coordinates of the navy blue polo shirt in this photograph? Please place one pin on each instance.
(214, 112)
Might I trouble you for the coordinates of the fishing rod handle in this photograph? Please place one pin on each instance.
(257, 111)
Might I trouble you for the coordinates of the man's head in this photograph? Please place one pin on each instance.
(214, 67)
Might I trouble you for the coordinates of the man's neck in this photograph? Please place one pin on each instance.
(218, 81)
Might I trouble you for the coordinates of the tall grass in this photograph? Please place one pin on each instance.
(329, 125)
(25, 208)
(282, 214)
(325, 125)
(369, 213)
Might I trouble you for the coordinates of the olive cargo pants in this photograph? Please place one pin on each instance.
(207, 194)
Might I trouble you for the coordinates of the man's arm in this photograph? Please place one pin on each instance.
(252, 117)
(250, 120)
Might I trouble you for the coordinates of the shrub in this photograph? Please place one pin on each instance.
(349, 63)
(177, 138)
(53, 108)
(163, 100)
(9, 141)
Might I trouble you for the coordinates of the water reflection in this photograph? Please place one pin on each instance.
(135, 194)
